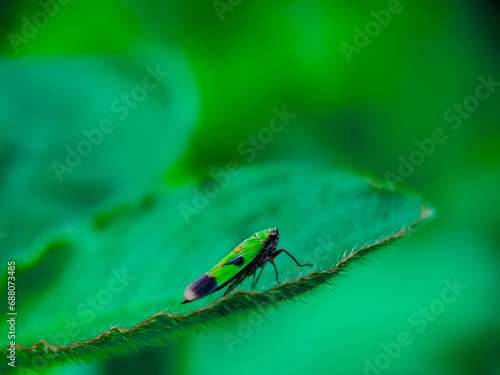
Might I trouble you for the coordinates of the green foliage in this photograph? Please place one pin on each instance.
(73, 239)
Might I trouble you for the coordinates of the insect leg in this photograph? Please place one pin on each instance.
(275, 269)
(278, 252)
(260, 273)
(236, 281)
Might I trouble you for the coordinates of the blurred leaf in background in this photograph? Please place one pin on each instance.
(413, 101)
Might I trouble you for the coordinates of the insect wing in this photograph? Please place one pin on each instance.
(219, 275)
(236, 260)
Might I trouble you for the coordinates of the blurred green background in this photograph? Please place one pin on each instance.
(368, 83)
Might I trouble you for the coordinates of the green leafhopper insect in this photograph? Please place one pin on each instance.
(243, 261)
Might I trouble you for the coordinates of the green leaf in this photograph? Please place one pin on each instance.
(114, 285)
(74, 96)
